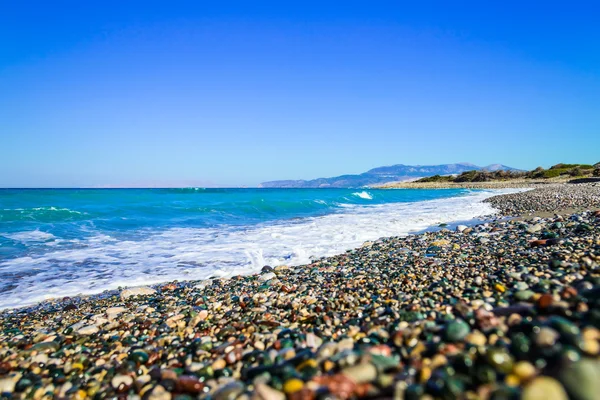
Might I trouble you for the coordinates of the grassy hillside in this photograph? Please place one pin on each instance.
(558, 170)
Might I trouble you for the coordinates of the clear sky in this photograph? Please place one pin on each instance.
(226, 93)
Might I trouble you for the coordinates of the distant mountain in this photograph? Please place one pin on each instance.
(499, 167)
(380, 175)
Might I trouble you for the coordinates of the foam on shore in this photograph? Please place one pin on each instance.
(103, 262)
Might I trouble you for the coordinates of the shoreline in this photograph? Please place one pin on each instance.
(351, 227)
(400, 316)
(510, 184)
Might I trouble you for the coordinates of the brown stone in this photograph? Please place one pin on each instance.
(189, 384)
(545, 301)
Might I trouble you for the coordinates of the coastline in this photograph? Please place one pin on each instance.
(194, 252)
(509, 184)
(390, 318)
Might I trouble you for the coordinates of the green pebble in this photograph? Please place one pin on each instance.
(139, 356)
(485, 374)
(456, 330)
(521, 286)
(500, 360)
(582, 379)
(524, 295)
(45, 347)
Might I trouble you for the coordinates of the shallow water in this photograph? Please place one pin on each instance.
(60, 242)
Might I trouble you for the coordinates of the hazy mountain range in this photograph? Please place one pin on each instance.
(380, 175)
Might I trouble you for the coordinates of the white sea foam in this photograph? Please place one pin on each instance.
(103, 262)
(30, 236)
(364, 195)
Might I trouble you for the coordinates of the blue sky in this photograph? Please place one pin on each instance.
(234, 93)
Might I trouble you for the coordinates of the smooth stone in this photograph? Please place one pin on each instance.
(202, 285)
(524, 370)
(456, 330)
(139, 356)
(219, 364)
(292, 385)
(121, 383)
(582, 379)
(500, 359)
(7, 385)
(159, 393)
(361, 373)
(476, 338)
(267, 277)
(461, 228)
(546, 337)
(137, 291)
(50, 347)
(326, 350)
(313, 341)
(544, 388)
(41, 358)
(229, 391)
(88, 330)
(115, 310)
(266, 392)
(521, 286)
(535, 228)
(189, 384)
(524, 295)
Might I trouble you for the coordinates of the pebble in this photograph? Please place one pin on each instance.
(461, 228)
(582, 379)
(7, 385)
(546, 337)
(544, 388)
(88, 330)
(122, 383)
(292, 386)
(457, 330)
(361, 373)
(267, 277)
(265, 392)
(114, 311)
(524, 370)
(229, 391)
(137, 291)
(159, 393)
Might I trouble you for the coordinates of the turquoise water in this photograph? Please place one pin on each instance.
(57, 242)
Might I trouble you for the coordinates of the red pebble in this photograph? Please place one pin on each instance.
(545, 301)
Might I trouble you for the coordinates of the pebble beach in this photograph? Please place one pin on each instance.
(507, 309)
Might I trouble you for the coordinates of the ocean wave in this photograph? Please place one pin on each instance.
(364, 195)
(41, 214)
(104, 262)
(30, 236)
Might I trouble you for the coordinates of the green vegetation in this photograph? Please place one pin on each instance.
(437, 178)
(558, 170)
(570, 166)
(551, 173)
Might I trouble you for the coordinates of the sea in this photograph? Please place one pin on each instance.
(64, 242)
